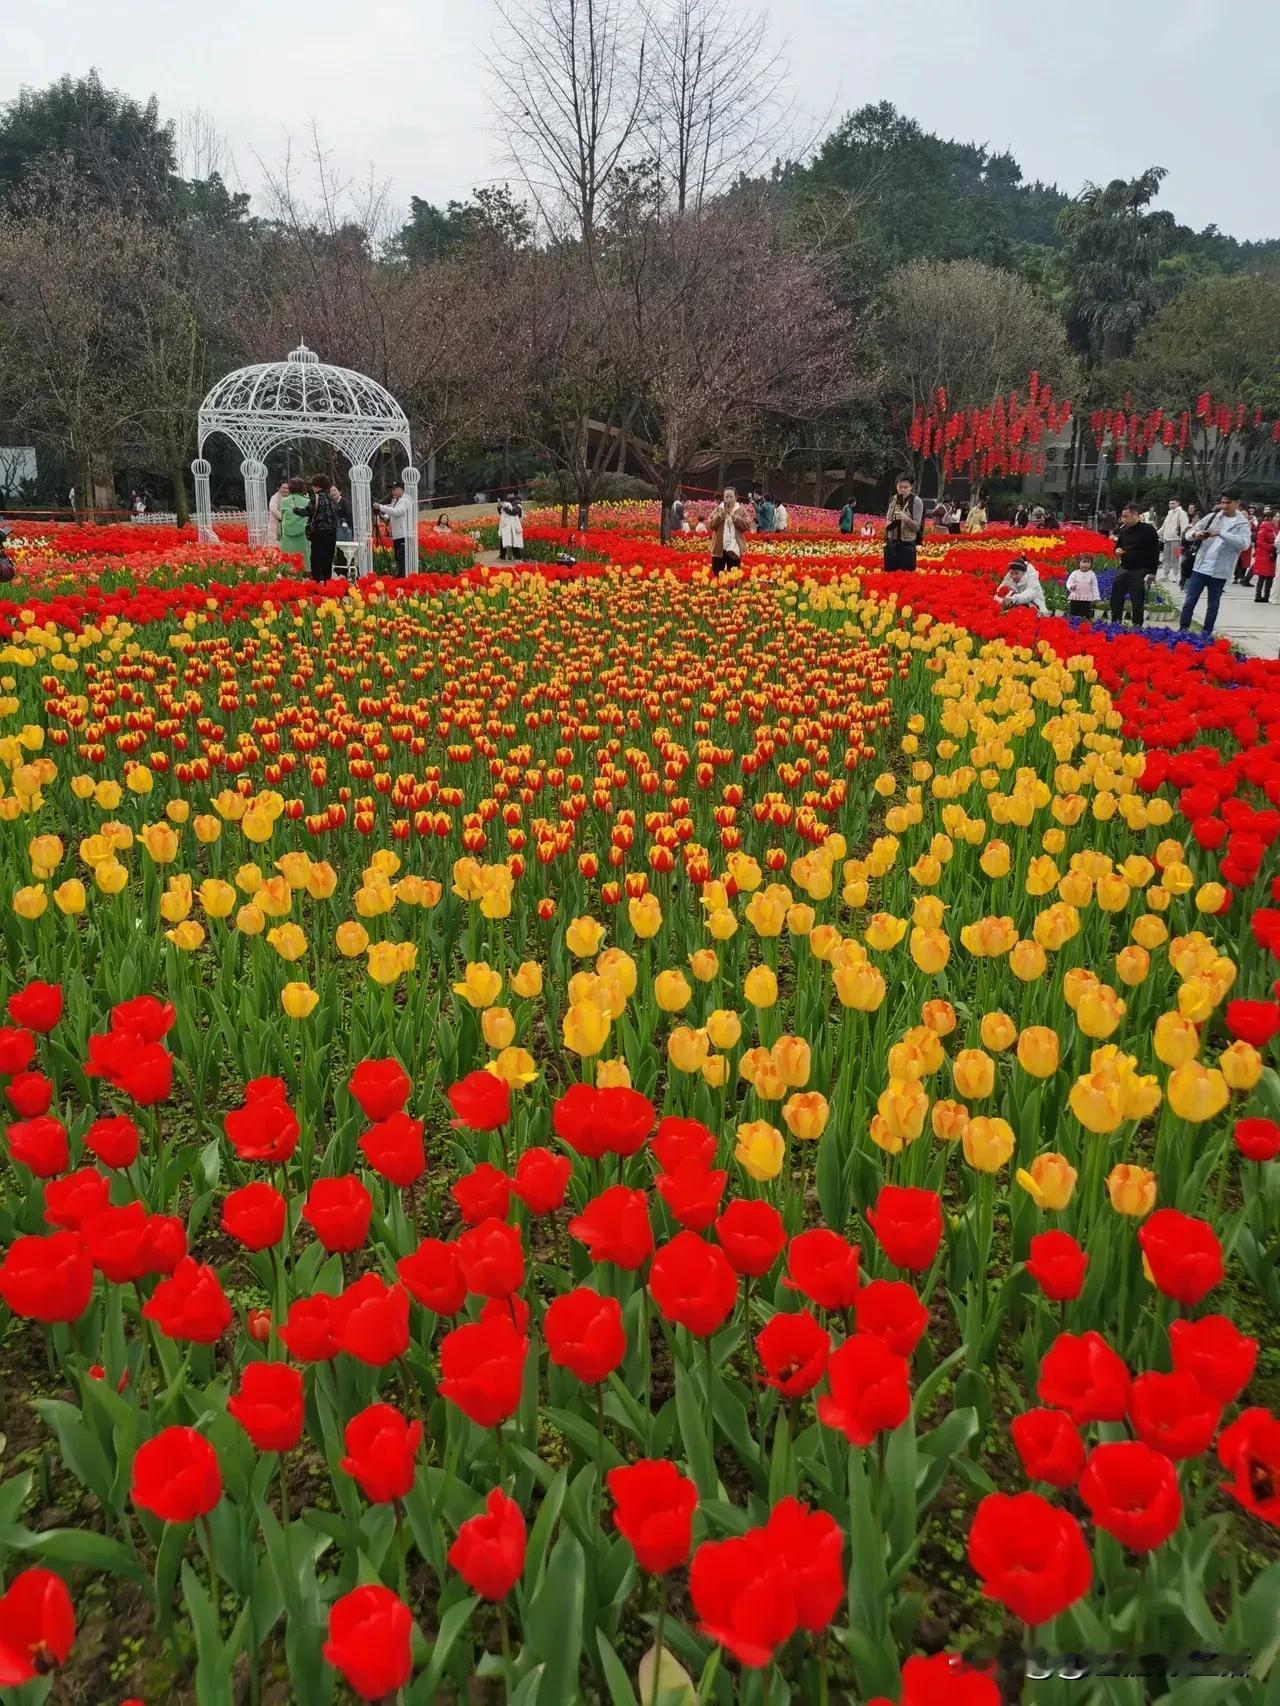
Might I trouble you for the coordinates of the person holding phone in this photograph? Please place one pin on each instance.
(1220, 538)
(903, 525)
(730, 523)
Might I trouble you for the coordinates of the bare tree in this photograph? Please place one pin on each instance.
(570, 101)
(203, 149)
(705, 122)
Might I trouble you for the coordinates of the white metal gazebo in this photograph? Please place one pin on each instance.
(260, 408)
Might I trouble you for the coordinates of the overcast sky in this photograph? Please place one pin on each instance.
(1091, 90)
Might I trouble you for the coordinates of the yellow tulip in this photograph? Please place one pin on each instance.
(160, 841)
(1150, 932)
(481, 985)
(1049, 1181)
(930, 950)
(299, 1000)
(791, 1056)
(760, 986)
(69, 897)
(704, 964)
(1197, 1092)
(1055, 927)
(1097, 1101)
(882, 1135)
(861, 987)
(806, 1114)
(175, 902)
(974, 1073)
(987, 1143)
(45, 853)
(138, 781)
(613, 1075)
(288, 940)
(1038, 1051)
(715, 1071)
(939, 1017)
(375, 898)
(1132, 965)
(721, 923)
(1240, 1065)
(671, 991)
(1027, 960)
(352, 938)
(949, 1120)
(902, 1105)
(884, 931)
(645, 914)
(188, 935)
(995, 859)
(30, 902)
(824, 939)
(583, 937)
(1100, 1010)
(765, 914)
(1210, 897)
(249, 879)
(387, 961)
(760, 1149)
(1132, 1190)
(767, 1082)
(687, 1049)
(207, 828)
(585, 1028)
(724, 1028)
(800, 919)
(515, 1066)
(498, 1026)
(110, 876)
(997, 1031)
(274, 896)
(619, 969)
(526, 980)
(258, 826)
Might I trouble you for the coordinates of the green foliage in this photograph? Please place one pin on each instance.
(118, 148)
(492, 217)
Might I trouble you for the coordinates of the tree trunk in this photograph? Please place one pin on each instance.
(1073, 470)
(817, 478)
(178, 479)
(103, 491)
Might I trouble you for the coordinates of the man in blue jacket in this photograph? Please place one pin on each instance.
(1223, 534)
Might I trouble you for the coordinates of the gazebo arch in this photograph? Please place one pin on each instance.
(260, 408)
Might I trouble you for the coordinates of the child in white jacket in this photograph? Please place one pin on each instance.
(1082, 589)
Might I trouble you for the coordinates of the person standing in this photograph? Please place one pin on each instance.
(846, 518)
(1082, 589)
(1138, 547)
(294, 509)
(1243, 571)
(273, 512)
(322, 529)
(1264, 557)
(397, 516)
(976, 519)
(1220, 538)
(511, 529)
(903, 525)
(1174, 525)
(766, 515)
(730, 524)
(1190, 544)
(781, 518)
(677, 514)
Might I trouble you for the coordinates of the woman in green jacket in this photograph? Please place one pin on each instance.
(294, 508)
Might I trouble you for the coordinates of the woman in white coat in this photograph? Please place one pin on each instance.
(510, 529)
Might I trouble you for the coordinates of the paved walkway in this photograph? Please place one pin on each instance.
(1254, 628)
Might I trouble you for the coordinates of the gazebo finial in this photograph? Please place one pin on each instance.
(303, 354)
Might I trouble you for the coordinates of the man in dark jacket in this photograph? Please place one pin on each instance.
(1138, 547)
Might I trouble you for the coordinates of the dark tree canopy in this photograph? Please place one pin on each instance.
(117, 147)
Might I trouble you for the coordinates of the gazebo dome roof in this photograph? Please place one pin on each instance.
(271, 402)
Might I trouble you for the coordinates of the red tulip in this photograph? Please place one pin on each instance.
(394, 1149)
(37, 1627)
(370, 1641)
(613, 1121)
(482, 1194)
(824, 1267)
(752, 1235)
(38, 1006)
(139, 1069)
(176, 1476)
(481, 1101)
(1257, 1139)
(869, 1389)
(115, 1240)
(488, 1552)
(268, 1405)
(144, 1017)
(1030, 1556)
(338, 1211)
(1057, 1264)
(615, 1228)
(793, 1351)
(744, 1594)
(381, 1452)
(1083, 1376)
(70, 1200)
(891, 1310)
(908, 1224)
(30, 1094)
(47, 1279)
(1215, 1353)
(17, 1050)
(1255, 1022)
(943, 1679)
(370, 1321)
(381, 1087)
(677, 1141)
(1049, 1446)
(432, 1275)
(541, 1180)
(811, 1543)
(164, 1243)
(265, 1128)
(113, 1140)
(482, 1367)
(40, 1144)
(693, 1284)
(308, 1334)
(692, 1193)
(1249, 1450)
(1132, 1492)
(255, 1216)
(653, 1512)
(1182, 1253)
(584, 1334)
(491, 1257)
(191, 1304)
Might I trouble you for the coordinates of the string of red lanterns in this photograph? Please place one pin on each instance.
(1138, 433)
(1001, 438)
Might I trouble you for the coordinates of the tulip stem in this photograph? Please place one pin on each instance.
(599, 1487)
(505, 1635)
(284, 1493)
(657, 1641)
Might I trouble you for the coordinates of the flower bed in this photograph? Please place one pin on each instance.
(561, 1116)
